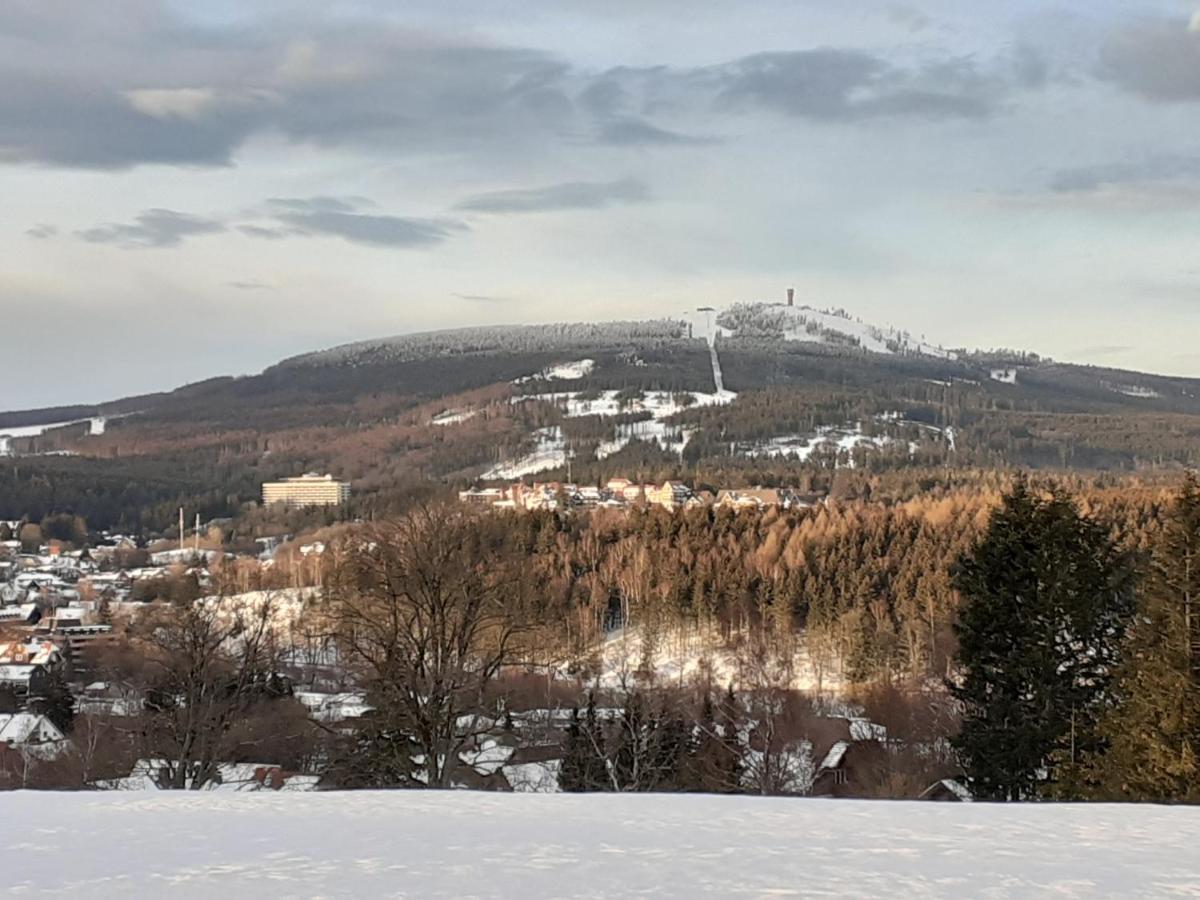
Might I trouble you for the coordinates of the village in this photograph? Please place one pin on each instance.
(622, 493)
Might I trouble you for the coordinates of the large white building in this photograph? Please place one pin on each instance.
(309, 489)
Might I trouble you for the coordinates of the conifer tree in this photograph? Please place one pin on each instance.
(1045, 597)
(595, 769)
(571, 777)
(1153, 729)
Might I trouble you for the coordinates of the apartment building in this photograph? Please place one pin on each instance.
(309, 489)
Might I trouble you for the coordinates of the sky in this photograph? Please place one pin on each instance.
(190, 189)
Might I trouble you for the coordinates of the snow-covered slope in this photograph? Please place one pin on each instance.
(834, 327)
(452, 844)
(96, 425)
(551, 450)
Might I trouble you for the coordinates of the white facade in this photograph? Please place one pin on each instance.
(306, 490)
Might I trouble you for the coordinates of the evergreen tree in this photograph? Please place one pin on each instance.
(1045, 597)
(571, 773)
(56, 702)
(596, 768)
(1153, 729)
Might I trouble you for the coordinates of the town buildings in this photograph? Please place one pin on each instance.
(621, 493)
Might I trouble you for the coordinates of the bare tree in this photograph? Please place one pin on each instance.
(427, 610)
(201, 669)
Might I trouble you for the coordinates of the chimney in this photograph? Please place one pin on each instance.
(791, 296)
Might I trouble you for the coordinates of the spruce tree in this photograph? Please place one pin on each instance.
(1153, 729)
(1045, 597)
(595, 767)
(571, 771)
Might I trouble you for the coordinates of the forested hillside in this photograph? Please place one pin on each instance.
(421, 415)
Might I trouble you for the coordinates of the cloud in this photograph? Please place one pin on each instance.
(907, 17)
(319, 204)
(268, 232)
(76, 92)
(1157, 59)
(836, 84)
(1154, 184)
(568, 195)
(1152, 169)
(175, 103)
(163, 89)
(342, 217)
(628, 131)
(41, 231)
(287, 217)
(383, 231)
(484, 298)
(152, 228)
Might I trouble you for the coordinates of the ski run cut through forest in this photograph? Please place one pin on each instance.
(411, 844)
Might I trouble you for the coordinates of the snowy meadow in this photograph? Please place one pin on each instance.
(461, 844)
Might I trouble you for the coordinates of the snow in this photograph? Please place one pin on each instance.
(17, 729)
(534, 777)
(459, 844)
(804, 323)
(96, 425)
(569, 371)
(836, 754)
(334, 707)
(1135, 390)
(695, 655)
(550, 451)
(454, 416)
(1004, 376)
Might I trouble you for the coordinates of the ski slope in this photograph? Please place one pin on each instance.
(461, 844)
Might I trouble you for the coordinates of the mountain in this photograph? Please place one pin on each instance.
(754, 393)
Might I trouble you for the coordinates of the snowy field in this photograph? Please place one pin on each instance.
(411, 844)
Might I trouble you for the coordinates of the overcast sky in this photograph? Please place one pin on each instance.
(202, 188)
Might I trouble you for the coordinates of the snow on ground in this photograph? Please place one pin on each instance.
(569, 371)
(804, 323)
(845, 437)
(871, 337)
(96, 425)
(551, 450)
(1004, 376)
(681, 656)
(463, 844)
(1136, 390)
(453, 416)
(840, 438)
(550, 453)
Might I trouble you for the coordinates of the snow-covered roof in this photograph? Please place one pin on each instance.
(836, 754)
(956, 788)
(17, 729)
(16, 673)
(39, 653)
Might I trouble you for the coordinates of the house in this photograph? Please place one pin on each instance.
(849, 768)
(31, 733)
(19, 682)
(750, 498)
(31, 652)
(947, 790)
(672, 494)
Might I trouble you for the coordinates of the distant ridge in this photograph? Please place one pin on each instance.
(492, 338)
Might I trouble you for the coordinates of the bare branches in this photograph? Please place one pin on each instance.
(427, 611)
